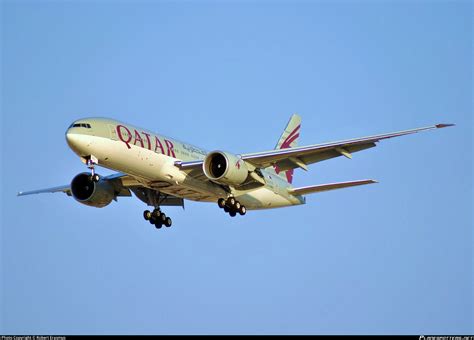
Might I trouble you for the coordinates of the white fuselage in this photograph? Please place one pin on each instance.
(150, 158)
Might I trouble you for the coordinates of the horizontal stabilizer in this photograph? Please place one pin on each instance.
(326, 187)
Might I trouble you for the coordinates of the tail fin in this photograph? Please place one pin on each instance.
(289, 139)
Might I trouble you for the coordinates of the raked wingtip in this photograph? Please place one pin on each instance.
(440, 126)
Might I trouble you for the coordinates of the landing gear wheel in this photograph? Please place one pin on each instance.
(147, 215)
(237, 205)
(95, 178)
(221, 203)
(232, 213)
(158, 225)
(152, 220)
(156, 214)
(168, 222)
(162, 218)
(226, 208)
(231, 201)
(242, 210)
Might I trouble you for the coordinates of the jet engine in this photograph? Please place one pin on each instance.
(95, 194)
(225, 168)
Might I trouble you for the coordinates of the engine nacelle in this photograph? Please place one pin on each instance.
(95, 194)
(225, 168)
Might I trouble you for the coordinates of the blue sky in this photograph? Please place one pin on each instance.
(395, 257)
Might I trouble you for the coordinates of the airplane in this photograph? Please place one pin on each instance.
(163, 171)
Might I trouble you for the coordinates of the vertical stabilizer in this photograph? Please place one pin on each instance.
(289, 139)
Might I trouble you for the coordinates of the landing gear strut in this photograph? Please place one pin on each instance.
(232, 206)
(91, 162)
(157, 218)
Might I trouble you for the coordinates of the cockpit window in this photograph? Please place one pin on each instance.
(84, 125)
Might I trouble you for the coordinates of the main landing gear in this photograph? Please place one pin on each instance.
(157, 218)
(231, 206)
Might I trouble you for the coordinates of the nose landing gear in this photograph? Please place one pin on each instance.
(157, 218)
(91, 162)
(232, 206)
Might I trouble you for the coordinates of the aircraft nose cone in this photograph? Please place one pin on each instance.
(79, 143)
(71, 138)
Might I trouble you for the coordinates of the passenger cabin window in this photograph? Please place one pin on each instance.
(84, 125)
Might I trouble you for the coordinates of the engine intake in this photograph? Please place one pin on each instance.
(95, 194)
(223, 167)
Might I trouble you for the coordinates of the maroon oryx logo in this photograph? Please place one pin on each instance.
(285, 145)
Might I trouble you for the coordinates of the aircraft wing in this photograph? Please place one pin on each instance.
(64, 188)
(291, 158)
(117, 178)
(124, 184)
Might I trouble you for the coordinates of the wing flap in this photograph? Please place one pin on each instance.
(326, 187)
